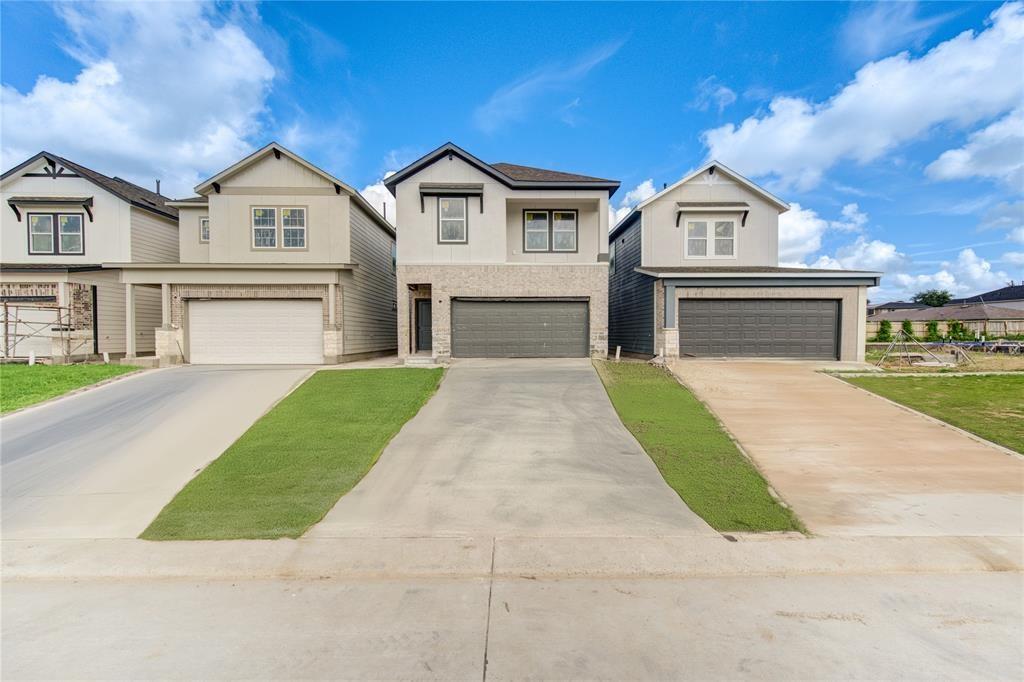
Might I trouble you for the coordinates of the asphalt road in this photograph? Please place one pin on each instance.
(104, 462)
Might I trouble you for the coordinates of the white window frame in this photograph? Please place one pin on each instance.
(526, 231)
(305, 232)
(464, 220)
(254, 227)
(60, 234)
(709, 238)
(204, 226)
(50, 232)
(575, 231)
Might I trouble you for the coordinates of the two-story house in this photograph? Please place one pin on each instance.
(500, 260)
(280, 262)
(61, 221)
(695, 272)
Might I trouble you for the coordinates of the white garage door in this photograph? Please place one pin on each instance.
(255, 332)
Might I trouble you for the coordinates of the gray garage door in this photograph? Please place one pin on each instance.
(505, 328)
(759, 328)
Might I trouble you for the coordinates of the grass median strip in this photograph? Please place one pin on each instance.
(24, 385)
(695, 455)
(292, 465)
(990, 406)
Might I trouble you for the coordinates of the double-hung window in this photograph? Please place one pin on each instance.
(451, 215)
(551, 231)
(711, 239)
(56, 233)
(264, 228)
(204, 230)
(293, 222)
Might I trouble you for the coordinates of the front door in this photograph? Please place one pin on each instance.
(423, 325)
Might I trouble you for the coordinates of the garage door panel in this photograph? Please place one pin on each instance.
(784, 328)
(523, 328)
(255, 332)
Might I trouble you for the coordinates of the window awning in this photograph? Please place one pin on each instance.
(713, 207)
(84, 202)
(451, 189)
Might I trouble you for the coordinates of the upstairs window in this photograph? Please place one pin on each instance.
(451, 220)
(552, 231)
(204, 230)
(536, 231)
(264, 228)
(56, 234)
(711, 239)
(293, 222)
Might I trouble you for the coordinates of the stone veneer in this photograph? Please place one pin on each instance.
(852, 309)
(502, 281)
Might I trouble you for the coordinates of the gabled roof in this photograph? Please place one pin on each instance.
(1012, 292)
(969, 311)
(763, 193)
(510, 175)
(898, 305)
(274, 148)
(756, 189)
(122, 189)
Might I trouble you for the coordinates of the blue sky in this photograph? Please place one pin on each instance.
(896, 131)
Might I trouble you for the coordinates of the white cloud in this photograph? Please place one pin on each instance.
(967, 275)
(863, 254)
(1004, 216)
(165, 90)
(710, 93)
(874, 30)
(966, 79)
(993, 152)
(645, 190)
(800, 233)
(1016, 235)
(513, 101)
(853, 220)
(1013, 258)
(380, 198)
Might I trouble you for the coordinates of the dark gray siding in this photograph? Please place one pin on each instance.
(630, 297)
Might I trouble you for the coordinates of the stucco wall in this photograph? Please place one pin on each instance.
(757, 242)
(525, 281)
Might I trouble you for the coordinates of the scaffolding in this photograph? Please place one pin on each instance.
(30, 331)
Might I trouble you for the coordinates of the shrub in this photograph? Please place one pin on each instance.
(932, 332)
(956, 330)
(884, 331)
(908, 328)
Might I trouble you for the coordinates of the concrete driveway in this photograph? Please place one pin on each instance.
(103, 463)
(514, 448)
(852, 463)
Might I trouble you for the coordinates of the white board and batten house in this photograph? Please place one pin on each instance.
(61, 221)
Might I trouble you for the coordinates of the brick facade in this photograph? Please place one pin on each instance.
(444, 282)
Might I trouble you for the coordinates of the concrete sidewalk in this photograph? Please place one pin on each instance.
(964, 626)
(851, 463)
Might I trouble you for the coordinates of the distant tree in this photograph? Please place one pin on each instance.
(932, 333)
(884, 331)
(933, 297)
(908, 328)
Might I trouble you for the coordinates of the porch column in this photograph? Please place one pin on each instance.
(670, 337)
(165, 305)
(129, 318)
(332, 303)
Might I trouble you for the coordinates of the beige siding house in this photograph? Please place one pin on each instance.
(280, 263)
(695, 272)
(61, 222)
(499, 260)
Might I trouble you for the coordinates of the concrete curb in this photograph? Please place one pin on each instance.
(513, 557)
(1002, 448)
(84, 389)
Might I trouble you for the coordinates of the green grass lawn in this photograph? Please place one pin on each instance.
(292, 465)
(21, 385)
(990, 406)
(696, 457)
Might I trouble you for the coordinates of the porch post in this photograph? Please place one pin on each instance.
(129, 318)
(165, 305)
